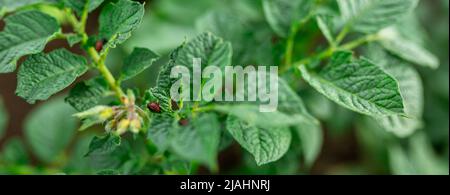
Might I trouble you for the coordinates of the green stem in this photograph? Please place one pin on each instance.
(204, 108)
(103, 69)
(341, 36)
(84, 16)
(291, 41)
(99, 60)
(330, 50)
(290, 46)
(356, 43)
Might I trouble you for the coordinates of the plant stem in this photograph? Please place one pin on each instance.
(206, 108)
(330, 50)
(291, 41)
(103, 69)
(341, 36)
(99, 60)
(356, 43)
(290, 46)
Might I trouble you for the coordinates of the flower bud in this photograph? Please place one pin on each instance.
(102, 112)
(122, 127)
(135, 125)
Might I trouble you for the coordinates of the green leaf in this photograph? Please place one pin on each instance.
(160, 127)
(25, 33)
(211, 49)
(138, 61)
(164, 82)
(79, 5)
(399, 162)
(42, 75)
(118, 20)
(283, 14)
(326, 26)
(14, 152)
(265, 144)
(411, 88)
(73, 39)
(77, 163)
(87, 94)
(412, 92)
(419, 159)
(251, 114)
(11, 5)
(425, 158)
(199, 140)
(105, 144)
(369, 16)
(249, 39)
(3, 118)
(49, 139)
(406, 49)
(358, 85)
(173, 165)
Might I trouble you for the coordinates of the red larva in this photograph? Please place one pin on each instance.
(154, 107)
(99, 45)
(183, 122)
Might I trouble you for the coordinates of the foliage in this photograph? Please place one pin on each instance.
(347, 65)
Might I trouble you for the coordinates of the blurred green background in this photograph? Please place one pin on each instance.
(353, 144)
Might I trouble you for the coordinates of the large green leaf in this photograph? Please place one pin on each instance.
(228, 25)
(87, 94)
(118, 20)
(407, 49)
(3, 118)
(138, 61)
(248, 38)
(158, 133)
(291, 113)
(359, 85)
(49, 139)
(211, 49)
(11, 5)
(42, 75)
(105, 144)
(369, 16)
(399, 162)
(25, 33)
(412, 92)
(265, 144)
(282, 14)
(79, 5)
(14, 152)
(199, 140)
(164, 82)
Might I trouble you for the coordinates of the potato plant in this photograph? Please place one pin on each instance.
(364, 68)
